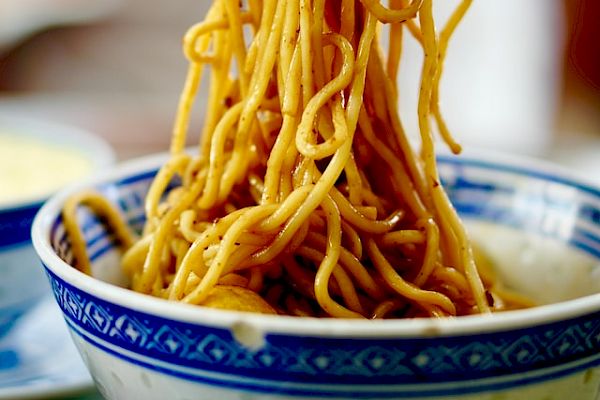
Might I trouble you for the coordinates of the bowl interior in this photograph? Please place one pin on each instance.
(540, 227)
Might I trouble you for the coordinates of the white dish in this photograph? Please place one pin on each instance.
(38, 358)
(50, 137)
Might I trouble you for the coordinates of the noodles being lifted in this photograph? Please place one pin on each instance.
(305, 197)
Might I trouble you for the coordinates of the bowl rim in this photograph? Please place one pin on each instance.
(98, 150)
(307, 326)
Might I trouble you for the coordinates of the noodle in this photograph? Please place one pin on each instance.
(305, 196)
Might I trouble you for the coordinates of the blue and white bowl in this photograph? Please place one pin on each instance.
(22, 284)
(541, 225)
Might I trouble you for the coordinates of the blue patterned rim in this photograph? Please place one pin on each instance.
(341, 357)
(413, 366)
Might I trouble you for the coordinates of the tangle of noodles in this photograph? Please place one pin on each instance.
(304, 196)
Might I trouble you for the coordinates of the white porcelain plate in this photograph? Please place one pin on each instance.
(38, 358)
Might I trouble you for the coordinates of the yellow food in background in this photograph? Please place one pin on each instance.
(32, 168)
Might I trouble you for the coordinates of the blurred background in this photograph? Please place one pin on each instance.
(522, 77)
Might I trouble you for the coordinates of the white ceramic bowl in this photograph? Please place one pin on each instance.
(141, 347)
(22, 283)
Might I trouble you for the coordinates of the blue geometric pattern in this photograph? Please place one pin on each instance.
(373, 361)
(545, 205)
